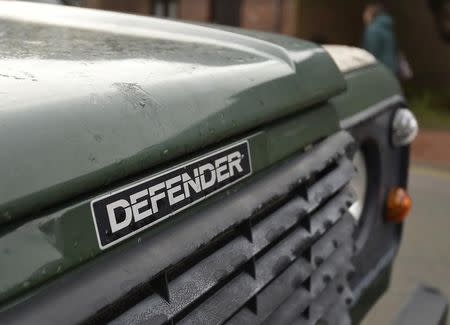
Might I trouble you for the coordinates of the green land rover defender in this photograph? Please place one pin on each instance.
(161, 172)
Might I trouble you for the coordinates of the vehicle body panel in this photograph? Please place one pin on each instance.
(94, 104)
(366, 87)
(64, 237)
(91, 107)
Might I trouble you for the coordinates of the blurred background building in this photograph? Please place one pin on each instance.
(325, 21)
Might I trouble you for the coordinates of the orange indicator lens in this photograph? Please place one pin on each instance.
(398, 205)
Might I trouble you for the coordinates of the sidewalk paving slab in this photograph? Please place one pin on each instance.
(432, 148)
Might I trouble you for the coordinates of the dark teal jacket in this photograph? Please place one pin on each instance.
(379, 39)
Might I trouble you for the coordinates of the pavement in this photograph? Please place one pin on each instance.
(429, 148)
(424, 255)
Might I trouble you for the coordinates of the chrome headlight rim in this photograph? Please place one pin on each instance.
(359, 185)
(404, 127)
(371, 153)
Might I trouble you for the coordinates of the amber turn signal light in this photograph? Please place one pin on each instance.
(398, 205)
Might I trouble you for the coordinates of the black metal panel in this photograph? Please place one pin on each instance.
(271, 297)
(327, 296)
(377, 241)
(285, 303)
(337, 315)
(209, 272)
(335, 267)
(222, 261)
(234, 295)
(291, 309)
(321, 305)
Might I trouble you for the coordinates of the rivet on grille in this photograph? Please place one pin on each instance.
(318, 260)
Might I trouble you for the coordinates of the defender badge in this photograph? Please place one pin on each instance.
(123, 213)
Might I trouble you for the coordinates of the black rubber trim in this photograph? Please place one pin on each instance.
(372, 111)
(377, 241)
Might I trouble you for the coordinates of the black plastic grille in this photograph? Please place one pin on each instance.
(289, 261)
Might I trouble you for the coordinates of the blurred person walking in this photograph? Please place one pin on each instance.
(379, 38)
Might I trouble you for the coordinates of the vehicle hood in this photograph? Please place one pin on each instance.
(90, 97)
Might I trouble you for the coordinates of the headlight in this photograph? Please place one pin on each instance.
(359, 185)
(404, 127)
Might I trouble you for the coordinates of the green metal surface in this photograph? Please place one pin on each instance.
(92, 97)
(55, 242)
(97, 100)
(366, 87)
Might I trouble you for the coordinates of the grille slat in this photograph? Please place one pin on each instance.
(337, 314)
(271, 296)
(230, 298)
(325, 300)
(277, 292)
(331, 182)
(221, 306)
(209, 271)
(337, 263)
(261, 267)
(267, 268)
(333, 238)
(331, 273)
(290, 309)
